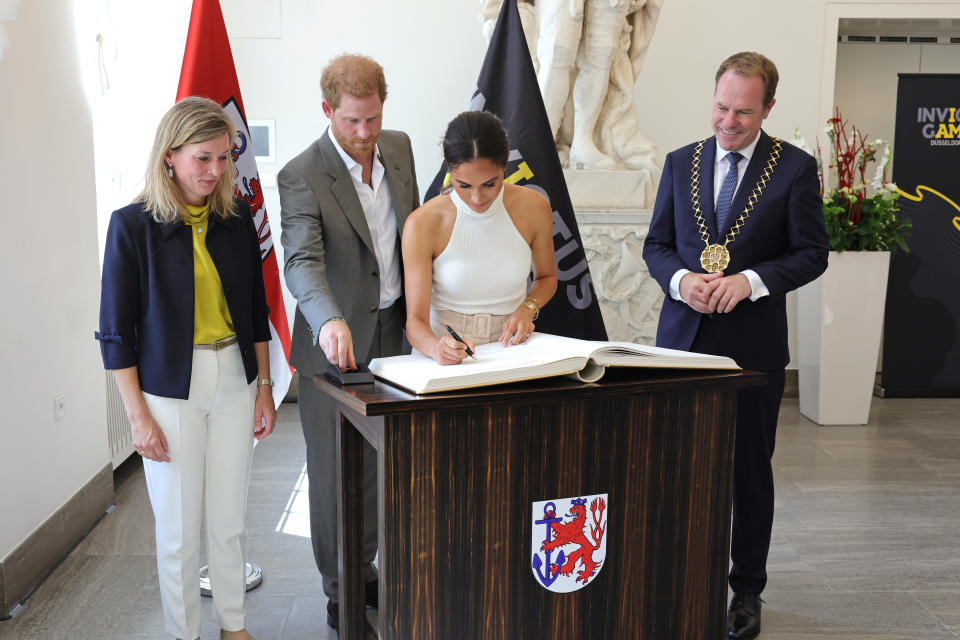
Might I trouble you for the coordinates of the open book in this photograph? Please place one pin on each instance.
(541, 356)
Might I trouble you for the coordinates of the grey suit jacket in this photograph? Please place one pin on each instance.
(329, 262)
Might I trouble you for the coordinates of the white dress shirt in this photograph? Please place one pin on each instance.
(381, 220)
(720, 167)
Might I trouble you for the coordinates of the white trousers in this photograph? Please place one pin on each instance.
(210, 437)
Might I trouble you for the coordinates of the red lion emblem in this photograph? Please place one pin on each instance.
(573, 532)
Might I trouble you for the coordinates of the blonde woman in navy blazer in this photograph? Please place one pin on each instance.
(182, 264)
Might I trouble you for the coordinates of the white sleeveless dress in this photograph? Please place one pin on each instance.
(480, 278)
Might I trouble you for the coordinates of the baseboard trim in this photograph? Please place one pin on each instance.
(35, 558)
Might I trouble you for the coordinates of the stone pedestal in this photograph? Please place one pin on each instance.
(619, 190)
(613, 215)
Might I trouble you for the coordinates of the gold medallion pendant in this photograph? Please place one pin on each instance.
(715, 258)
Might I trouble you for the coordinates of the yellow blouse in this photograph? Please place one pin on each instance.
(211, 317)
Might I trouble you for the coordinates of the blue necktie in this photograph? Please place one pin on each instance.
(727, 189)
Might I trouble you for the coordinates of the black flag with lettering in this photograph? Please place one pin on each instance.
(508, 88)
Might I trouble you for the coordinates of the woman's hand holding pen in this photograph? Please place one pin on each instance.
(450, 351)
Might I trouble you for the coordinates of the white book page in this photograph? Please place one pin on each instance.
(626, 353)
(639, 354)
(492, 357)
(417, 370)
(540, 356)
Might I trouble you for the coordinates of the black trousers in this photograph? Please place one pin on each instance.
(757, 412)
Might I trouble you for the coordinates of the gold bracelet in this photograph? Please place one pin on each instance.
(532, 305)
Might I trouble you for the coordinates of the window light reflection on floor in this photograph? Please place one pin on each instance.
(295, 519)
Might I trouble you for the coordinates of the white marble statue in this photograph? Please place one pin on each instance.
(589, 53)
(528, 18)
(9, 9)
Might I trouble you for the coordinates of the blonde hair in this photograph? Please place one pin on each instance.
(751, 63)
(190, 121)
(358, 76)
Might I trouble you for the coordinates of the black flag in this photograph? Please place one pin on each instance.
(508, 88)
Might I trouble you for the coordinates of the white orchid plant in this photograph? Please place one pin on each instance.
(859, 215)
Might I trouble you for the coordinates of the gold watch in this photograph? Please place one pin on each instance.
(265, 382)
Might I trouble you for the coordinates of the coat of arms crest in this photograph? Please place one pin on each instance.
(576, 538)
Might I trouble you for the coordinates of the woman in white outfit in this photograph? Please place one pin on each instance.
(183, 327)
(468, 254)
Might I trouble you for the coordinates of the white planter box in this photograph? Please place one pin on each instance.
(840, 317)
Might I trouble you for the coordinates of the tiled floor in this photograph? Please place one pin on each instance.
(865, 542)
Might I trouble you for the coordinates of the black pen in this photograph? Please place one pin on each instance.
(459, 339)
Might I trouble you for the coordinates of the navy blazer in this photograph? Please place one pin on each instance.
(784, 241)
(147, 295)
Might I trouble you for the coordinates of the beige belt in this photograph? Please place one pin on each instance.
(478, 327)
(216, 346)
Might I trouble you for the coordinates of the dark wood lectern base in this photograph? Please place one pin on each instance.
(459, 472)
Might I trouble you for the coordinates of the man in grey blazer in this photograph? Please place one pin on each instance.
(343, 202)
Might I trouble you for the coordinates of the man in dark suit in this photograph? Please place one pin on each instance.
(343, 202)
(738, 223)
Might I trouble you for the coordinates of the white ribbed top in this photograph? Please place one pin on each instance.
(484, 267)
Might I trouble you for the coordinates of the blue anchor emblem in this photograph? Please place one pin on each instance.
(247, 190)
(549, 510)
(238, 149)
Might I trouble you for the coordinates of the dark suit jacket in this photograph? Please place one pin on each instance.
(147, 296)
(784, 241)
(330, 265)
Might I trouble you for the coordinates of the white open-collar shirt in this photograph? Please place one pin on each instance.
(381, 220)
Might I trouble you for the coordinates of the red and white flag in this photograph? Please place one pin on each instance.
(208, 71)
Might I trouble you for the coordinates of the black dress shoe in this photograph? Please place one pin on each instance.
(370, 599)
(333, 621)
(743, 619)
(371, 593)
(333, 614)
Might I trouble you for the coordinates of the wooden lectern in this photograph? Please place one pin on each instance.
(460, 471)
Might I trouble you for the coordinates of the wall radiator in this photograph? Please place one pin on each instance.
(118, 427)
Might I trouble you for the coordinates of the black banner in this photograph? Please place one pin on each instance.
(507, 86)
(921, 343)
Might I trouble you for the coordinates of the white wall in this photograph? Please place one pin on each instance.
(51, 280)
(130, 82)
(866, 82)
(675, 88)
